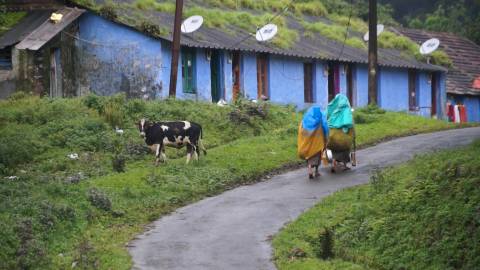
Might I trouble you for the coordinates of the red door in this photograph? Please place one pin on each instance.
(308, 82)
(236, 74)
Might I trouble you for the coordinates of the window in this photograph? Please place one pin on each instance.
(262, 76)
(188, 70)
(6, 58)
(308, 82)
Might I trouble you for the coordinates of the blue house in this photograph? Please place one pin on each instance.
(117, 55)
(463, 78)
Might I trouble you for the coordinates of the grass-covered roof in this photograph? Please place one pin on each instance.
(302, 22)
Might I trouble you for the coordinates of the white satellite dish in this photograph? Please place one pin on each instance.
(267, 32)
(380, 28)
(192, 24)
(429, 46)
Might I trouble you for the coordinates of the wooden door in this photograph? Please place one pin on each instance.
(331, 82)
(55, 73)
(216, 76)
(236, 74)
(308, 82)
(350, 84)
(262, 76)
(434, 94)
(412, 89)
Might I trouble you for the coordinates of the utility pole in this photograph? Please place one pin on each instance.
(372, 52)
(175, 48)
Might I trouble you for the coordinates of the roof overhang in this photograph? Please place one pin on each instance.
(48, 29)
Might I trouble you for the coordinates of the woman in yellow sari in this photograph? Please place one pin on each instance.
(312, 139)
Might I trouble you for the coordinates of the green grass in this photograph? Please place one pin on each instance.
(9, 19)
(46, 221)
(420, 215)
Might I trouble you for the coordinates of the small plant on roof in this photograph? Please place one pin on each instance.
(108, 11)
(150, 28)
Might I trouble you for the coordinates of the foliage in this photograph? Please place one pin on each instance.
(459, 17)
(82, 211)
(422, 215)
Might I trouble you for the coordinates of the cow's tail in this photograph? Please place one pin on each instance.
(201, 142)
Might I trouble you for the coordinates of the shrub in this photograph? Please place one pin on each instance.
(18, 146)
(99, 199)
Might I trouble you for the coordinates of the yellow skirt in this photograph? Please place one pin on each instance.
(309, 143)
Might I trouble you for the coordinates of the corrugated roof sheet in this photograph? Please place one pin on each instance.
(465, 55)
(47, 30)
(317, 47)
(29, 23)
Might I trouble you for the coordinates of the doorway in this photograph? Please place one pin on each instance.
(308, 82)
(412, 90)
(262, 76)
(333, 80)
(216, 69)
(350, 84)
(236, 74)
(55, 73)
(434, 94)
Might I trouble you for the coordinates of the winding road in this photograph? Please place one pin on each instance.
(233, 230)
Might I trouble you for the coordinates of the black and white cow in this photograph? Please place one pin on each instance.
(174, 134)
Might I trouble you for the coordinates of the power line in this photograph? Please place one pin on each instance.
(280, 12)
(347, 30)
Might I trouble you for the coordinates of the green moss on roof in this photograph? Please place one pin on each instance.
(9, 19)
(390, 40)
(334, 32)
(168, 7)
(251, 14)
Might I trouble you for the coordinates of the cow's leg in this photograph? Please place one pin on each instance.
(196, 152)
(157, 154)
(164, 157)
(189, 152)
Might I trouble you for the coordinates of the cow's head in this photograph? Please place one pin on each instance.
(143, 125)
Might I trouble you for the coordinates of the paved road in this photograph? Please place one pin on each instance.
(231, 231)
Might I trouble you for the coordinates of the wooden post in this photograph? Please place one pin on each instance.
(175, 48)
(372, 52)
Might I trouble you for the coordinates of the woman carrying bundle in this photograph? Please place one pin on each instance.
(312, 139)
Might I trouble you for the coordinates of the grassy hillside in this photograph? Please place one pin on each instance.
(57, 211)
(421, 215)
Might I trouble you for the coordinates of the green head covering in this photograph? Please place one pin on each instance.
(339, 113)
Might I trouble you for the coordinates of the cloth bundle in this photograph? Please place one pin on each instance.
(312, 133)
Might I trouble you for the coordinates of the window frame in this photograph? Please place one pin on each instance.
(189, 82)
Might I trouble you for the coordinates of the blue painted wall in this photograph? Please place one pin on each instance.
(361, 79)
(248, 80)
(118, 58)
(442, 95)
(321, 84)
(286, 81)
(113, 58)
(393, 89)
(472, 105)
(424, 93)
